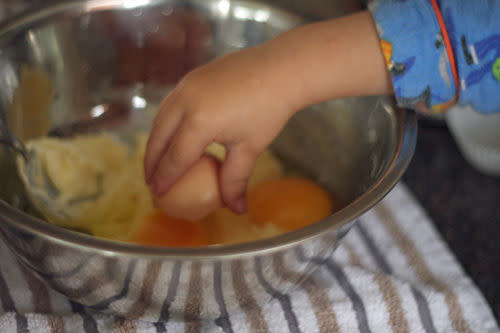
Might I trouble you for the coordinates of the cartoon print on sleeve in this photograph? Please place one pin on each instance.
(418, 58)
(423, 101)
(496, 69)
(410, 59)
(395, 68)
(478, 59)
(483, 54)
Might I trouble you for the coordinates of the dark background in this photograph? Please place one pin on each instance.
(463, 204)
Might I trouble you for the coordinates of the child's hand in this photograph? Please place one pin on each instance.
(239, 101)
(243, 100)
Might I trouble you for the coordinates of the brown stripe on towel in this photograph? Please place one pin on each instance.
(322, 306)
(338, 274)
(37, 254)
(123, 325)
(39, 293)
(102, 278)
(193, 302)
(19, 247)
(415, 260)
(56, 323)
(397, 317)
(392, 299)
(144, 300)
(246, 300)
(41, 300)
(9, 306)
(38, 262)
(353, 257)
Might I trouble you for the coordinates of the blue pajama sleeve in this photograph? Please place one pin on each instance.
(416, 55)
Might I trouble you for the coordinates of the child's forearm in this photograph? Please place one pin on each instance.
(332, 59)
(244, 99)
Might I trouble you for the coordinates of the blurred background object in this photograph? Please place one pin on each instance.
(478, 137)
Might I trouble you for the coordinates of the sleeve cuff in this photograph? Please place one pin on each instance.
(415, 53)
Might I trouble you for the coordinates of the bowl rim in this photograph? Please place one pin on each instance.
(40, 11)
(406, 128)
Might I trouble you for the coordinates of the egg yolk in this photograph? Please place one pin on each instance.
(289, 203)
(158, 229)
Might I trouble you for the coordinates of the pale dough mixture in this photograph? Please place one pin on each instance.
(102, 164)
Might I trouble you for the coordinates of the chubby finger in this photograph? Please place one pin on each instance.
(186, 146)
(235, 172)
(165, 124)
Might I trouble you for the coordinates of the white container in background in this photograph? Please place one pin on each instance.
(478, 137)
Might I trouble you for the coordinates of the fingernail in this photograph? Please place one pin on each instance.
(160, 189)
(156, 189)
(152, 188)
(147, 174)
(241, 205)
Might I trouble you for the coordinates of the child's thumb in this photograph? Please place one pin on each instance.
(234, 176)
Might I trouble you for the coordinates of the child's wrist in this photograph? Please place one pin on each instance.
(271, 83)
(283, 78)
(319, 62)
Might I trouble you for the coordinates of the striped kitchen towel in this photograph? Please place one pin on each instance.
(391, 273)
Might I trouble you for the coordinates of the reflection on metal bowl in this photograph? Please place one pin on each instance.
(107, 63)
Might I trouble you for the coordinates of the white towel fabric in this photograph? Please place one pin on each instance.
(391, 273)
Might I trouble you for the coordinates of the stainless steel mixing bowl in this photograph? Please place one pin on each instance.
(83, 66)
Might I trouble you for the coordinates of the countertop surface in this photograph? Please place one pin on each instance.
(463, 203)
